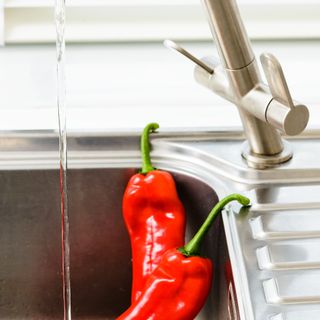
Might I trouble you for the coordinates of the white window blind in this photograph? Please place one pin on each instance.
(27, 21)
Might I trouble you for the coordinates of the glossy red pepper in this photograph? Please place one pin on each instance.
(179, 286)
(154, 216)
(231, 291)
(228, 273)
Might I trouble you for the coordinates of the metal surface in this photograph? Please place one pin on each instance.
(229, 33)
(276, 79)
(266, 161)
(284, 114)
(263, 110)
(242, 73)
(175, 47)
(273, 246)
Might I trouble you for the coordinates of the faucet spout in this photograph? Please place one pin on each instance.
(242, 72)
(229, 32)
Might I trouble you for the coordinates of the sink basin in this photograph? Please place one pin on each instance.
(100, 248)
(30, 268)
(272, 254)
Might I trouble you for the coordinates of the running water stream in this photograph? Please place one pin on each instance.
(62, 116)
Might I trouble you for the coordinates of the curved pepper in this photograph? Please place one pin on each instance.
(154, 216)
(179, 286)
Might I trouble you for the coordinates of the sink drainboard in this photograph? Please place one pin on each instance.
(281, 253)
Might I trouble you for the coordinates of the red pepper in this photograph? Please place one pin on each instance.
(154, 216)
(179, 286)
(231, 295)
(228, 272)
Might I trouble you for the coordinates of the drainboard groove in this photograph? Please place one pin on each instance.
(289, 255)
(298, 288)
(298, 315)
(276, 225)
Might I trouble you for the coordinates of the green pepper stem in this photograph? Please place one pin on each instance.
(145, 147)
(192, 248)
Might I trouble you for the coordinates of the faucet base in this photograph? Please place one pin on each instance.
(260, 161)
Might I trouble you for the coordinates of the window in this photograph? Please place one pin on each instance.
(27, 21)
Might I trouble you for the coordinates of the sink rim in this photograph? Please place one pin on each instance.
(171, 149)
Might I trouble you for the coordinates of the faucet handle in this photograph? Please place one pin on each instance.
(174, 46)
(276, 79)
(282, 112)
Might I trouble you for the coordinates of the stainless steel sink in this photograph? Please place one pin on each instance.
(272, 246)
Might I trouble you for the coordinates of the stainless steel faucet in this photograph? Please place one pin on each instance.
(264, 109)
